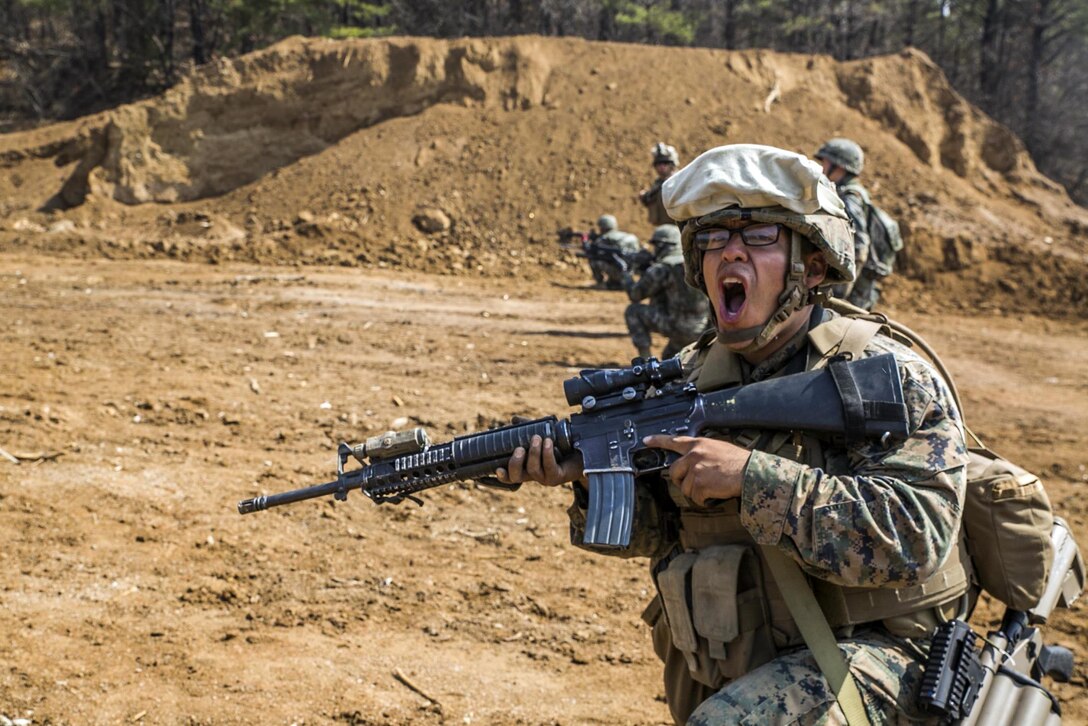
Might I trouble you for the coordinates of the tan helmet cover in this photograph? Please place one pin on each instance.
(763, 184)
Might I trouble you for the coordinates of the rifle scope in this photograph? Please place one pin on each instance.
(613, 380)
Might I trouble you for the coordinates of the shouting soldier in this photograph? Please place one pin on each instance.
(799, 576)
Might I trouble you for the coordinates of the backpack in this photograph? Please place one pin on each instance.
(885, 239)
(1008, 522)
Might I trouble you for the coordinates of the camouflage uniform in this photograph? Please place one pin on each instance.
(847, 155)
(655, 208)
(858, 515)
(676, 310)
(606, 271)
(651, 198)
(854, 198)
(873, 525)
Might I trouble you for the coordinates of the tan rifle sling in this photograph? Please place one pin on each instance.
(817, 633)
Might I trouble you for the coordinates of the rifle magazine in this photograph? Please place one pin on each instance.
(611, 508)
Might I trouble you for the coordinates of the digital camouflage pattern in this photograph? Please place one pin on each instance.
(854, 198)
(883, 517)
(866, 291)
(676, 310)
(868, 516)
(855, 515)
(791, 689)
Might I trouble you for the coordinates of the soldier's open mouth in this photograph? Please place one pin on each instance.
(734, 298)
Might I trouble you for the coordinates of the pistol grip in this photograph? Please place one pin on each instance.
(611, 508)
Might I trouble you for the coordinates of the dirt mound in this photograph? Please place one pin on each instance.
(464, 157)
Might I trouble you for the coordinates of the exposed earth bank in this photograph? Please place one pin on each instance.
(323, 152)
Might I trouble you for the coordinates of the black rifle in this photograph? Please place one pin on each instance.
(588, 245)
(620, 406)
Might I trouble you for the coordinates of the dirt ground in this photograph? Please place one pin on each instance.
(144, 398)
(204, 292)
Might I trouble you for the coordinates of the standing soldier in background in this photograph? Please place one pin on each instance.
(676, 310)
(876, 235)
(843, 161)
(665, 162)
(607, 270)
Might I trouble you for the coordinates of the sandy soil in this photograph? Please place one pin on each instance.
(144, 398)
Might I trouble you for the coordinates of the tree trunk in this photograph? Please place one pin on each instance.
(196, 31)
(1032, 115)
(909, 22)
(729, 34)
(989, 71)
(167, 17)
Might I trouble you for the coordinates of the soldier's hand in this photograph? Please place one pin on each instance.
(707, 468)
(540, 464)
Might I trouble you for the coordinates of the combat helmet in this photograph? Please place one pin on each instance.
(607, 223)
(843, 152)
(763, 184)
(666, 237)
(665, 154)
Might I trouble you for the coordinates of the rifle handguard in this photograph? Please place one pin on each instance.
(953, 672)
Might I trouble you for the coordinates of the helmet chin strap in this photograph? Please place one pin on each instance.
(794, 297)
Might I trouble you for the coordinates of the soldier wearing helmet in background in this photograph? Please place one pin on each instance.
(799, 576)
(675, 310)
(612, 253)
(665, 162)
(843, 161)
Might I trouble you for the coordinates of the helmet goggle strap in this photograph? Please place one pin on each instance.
(795, 296)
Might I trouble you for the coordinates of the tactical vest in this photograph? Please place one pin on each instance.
(655, 207)
(739, 619)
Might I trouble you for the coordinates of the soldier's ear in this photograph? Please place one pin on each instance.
(815, 268)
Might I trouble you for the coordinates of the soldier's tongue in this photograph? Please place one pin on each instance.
(733, 301)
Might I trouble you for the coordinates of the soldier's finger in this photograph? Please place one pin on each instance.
(678, 470)
(551, 466)
(500, 474)
(687, 486)
(517, 466)
(533, 463)
(679, 444)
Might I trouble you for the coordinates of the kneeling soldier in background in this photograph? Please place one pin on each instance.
(676, 310)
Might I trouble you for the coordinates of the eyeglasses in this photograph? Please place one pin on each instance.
(754, 235)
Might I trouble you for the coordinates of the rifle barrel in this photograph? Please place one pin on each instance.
(257, 504)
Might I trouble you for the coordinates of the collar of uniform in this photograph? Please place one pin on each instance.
(721, 367)
(779, 361)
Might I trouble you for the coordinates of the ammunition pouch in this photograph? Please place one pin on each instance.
(908, 612)
(715, 609)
